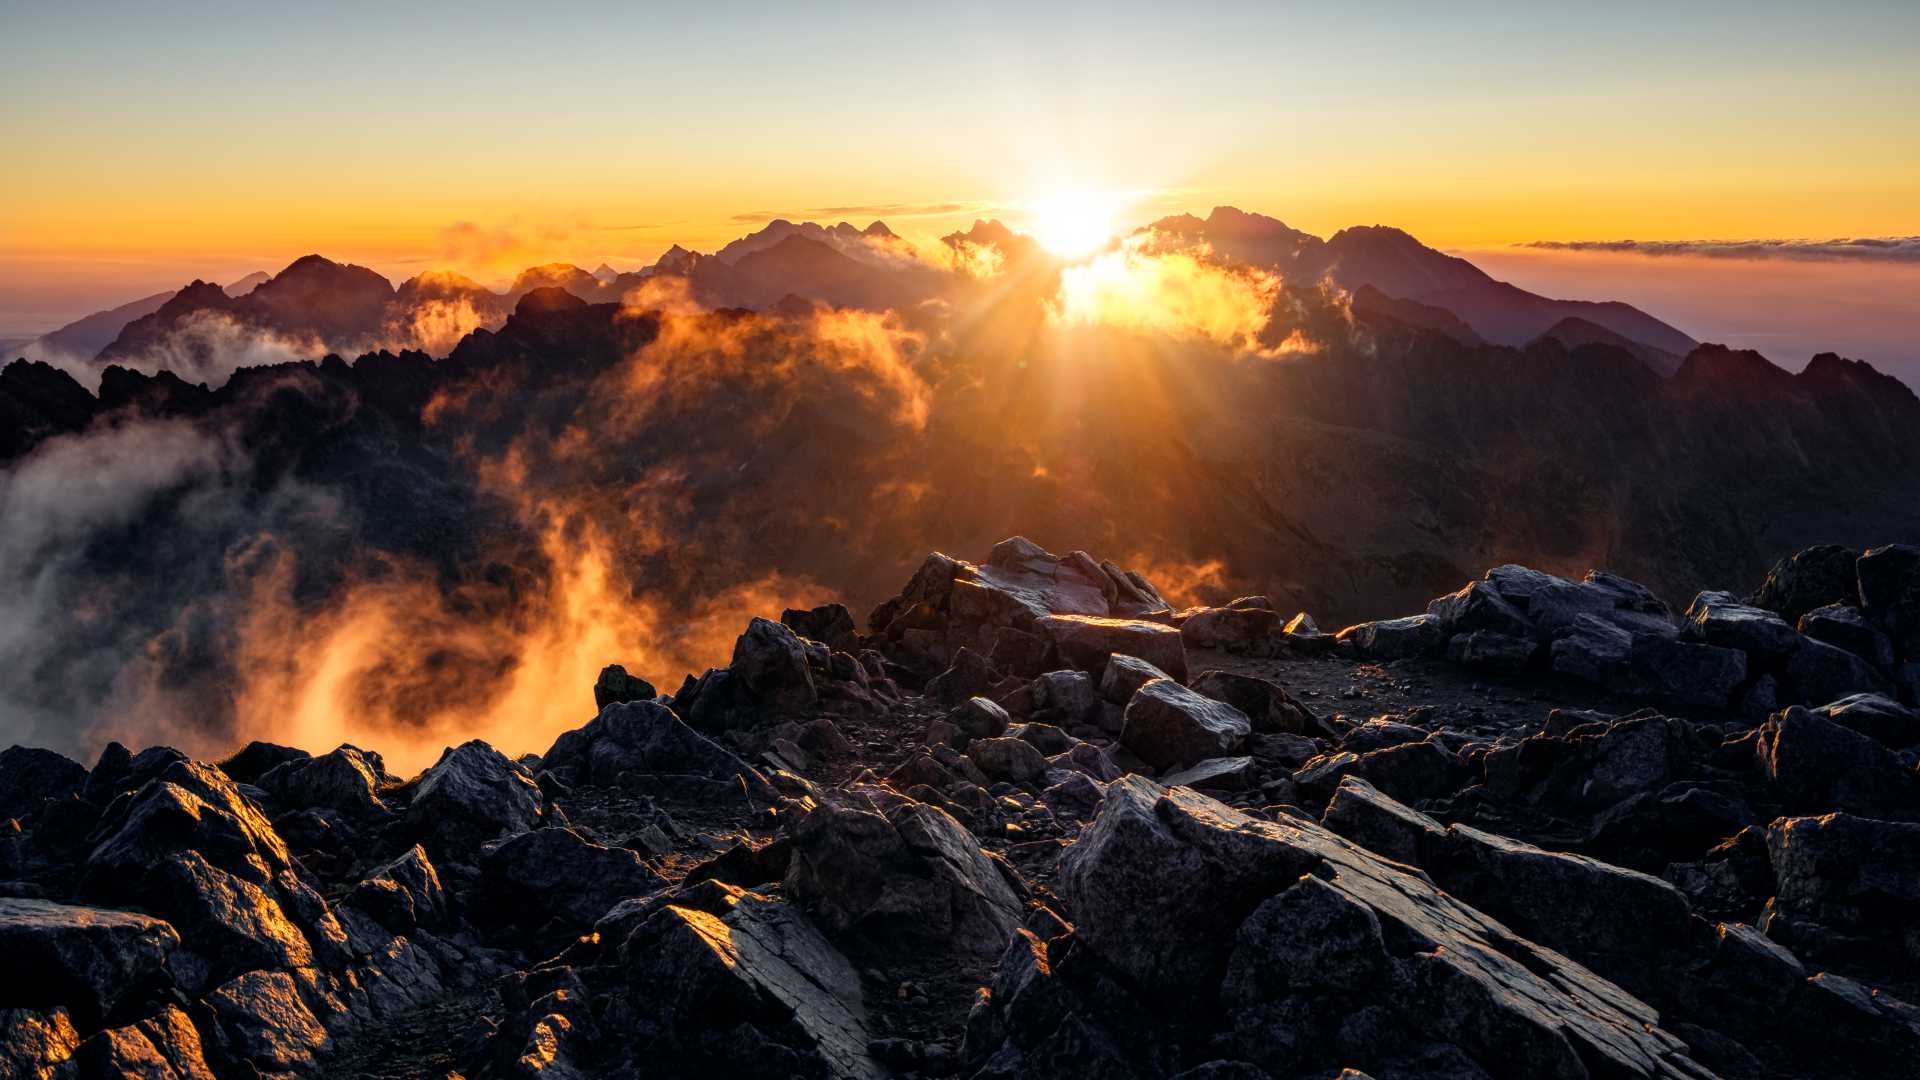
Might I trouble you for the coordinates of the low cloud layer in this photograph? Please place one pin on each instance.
(1904, 249)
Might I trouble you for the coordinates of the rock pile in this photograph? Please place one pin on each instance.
(1033, 822)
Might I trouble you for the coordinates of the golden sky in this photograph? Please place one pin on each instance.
(144, 146)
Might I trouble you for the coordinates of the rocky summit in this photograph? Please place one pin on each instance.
(1030, 820)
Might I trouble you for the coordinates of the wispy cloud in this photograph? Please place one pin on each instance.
(1867, 249)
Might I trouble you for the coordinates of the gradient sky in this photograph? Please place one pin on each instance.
(145, 144)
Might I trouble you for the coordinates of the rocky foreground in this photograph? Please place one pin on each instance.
(1034, 823)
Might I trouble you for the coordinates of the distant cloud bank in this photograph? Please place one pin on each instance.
(1905, 249)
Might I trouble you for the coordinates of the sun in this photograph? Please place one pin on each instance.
(1072, 224)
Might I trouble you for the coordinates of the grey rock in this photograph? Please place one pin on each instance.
(1214, 774)
(1393, 639)
(1820, 673)
(1844, 627)
(1123, 675)
(473, 794)
(1013, 760)
(909, 873)
(1170, 726)
(1086, 642)
(84, 958)
(1718, 619)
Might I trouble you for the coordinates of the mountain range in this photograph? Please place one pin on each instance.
(319, 306)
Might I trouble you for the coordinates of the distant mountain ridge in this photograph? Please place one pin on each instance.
(317, 305)
(1402, 268)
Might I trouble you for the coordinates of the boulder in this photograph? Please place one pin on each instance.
(1591, 648)
(1304, 636)
(1086, 642)
(30, 776)
(1267, 705)
(1848, 889)
(263, 1018)
(1590, 766)
(962, 604)
(1236, 629)
(1844, 627)
(645, 744)
(1169, 726)
(256, 759)
(1890, 593)
(1015, 761)
(1820, 673)
(1064, 697)
(1394, 639)
(1490, 650)
(614, 685)
(473, 794)
(555, 876)
(909, 873)
(1688, 672)
(347, 780)
(1815, 766)
(83, 958)
(771, 666)
(1809, 579)
(1323, 932)
(829, 624)
(165, 1046)
(1479, 607)
(1552, 604)
(403, 894)
(971, 675)
(1718, 619)
(979, 718)
(1124, 675)
(746, 987)
(1878, 717)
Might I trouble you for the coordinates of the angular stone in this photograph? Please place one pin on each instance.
(1394, 639)
(1124, 675)
(615, 685)
(556, 875)
(1245, 630)
(84, 958)
(1878, 717)
(911, 873)
(1489, 650)
(1843, 627)
(30, 776)
(1809, 579)
(1718, 619)
(630, 742)
(1591, 648)
(1086, 642)
(1215, 774)
(1848, 888)
(346, 780)
(1014, 760)
(772, 666)
(1267, 705)
(1479, 607)
(268, 1023)
(735, 991)
(1170, 726)
(1159, 874)
(1816, 766)
(1695, 674)
(1821, 673)
(473, 794)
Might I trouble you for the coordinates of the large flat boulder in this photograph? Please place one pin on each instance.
(83, 958)
(1087, 642)
(1291, 929)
